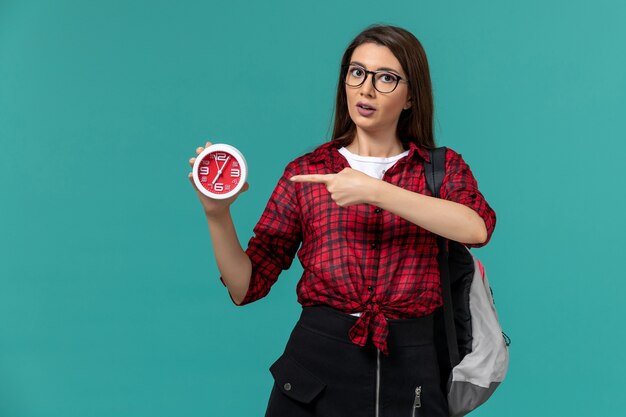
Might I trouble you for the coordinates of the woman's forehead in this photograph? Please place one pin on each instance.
(375, 57)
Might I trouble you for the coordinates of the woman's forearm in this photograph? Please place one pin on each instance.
(232, 261)
(442, 217)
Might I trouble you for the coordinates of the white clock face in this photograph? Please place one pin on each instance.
(220, 171)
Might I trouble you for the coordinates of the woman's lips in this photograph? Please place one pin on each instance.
(363, 111)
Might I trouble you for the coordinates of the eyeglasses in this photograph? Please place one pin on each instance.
(383, 81)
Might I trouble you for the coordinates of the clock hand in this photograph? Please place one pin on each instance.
(224, 164)
(219, 172)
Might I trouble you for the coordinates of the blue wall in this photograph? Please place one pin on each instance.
(110, 302)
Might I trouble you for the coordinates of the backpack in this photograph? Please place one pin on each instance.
(472, 350)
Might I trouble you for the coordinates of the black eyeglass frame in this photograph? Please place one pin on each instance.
(347, 67)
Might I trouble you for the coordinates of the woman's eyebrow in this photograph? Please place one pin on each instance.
(379, 69)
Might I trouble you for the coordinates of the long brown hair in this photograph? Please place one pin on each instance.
(416, 122)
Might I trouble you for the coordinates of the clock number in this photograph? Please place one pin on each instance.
(203, 179)
(220, 156)
(218, 187)
(204, 170)
(234, 172)
(235, 164)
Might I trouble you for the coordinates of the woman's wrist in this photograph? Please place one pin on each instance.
(377, 191)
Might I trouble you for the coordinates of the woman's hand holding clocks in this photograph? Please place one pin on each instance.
(213, 207)
(347, 187)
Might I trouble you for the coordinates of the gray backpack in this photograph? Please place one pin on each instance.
(471, 347)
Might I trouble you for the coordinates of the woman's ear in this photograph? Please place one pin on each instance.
(407, 104)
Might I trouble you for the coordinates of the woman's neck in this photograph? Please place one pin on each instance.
(366, 144)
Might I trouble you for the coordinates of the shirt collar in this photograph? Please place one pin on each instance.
(415, 150)
(329, 154)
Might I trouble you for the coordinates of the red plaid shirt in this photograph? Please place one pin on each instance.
(359, 258)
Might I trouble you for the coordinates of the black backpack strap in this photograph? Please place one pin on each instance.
(435, 171)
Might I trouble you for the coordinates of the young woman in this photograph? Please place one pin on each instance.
(359, 210)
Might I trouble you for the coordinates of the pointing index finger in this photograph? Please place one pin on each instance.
(317, 178)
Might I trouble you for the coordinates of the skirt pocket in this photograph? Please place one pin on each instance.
(295, 381)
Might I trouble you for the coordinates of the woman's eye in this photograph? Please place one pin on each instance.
(388, 78)
(356, 72)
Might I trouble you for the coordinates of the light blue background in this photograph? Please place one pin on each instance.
(110, 302)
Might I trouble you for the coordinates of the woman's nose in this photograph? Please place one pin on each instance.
(368, 85)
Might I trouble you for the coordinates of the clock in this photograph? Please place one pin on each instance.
(220, 171)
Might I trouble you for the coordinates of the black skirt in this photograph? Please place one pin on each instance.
(322, 373)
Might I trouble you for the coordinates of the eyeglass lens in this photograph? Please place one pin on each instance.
(384, 82)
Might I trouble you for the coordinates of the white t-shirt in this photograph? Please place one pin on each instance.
(373, 166)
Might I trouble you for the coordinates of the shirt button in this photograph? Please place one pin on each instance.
(374, 245)
(378, 210)
(370, 288)
(287, 386)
